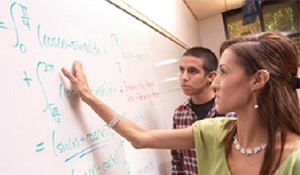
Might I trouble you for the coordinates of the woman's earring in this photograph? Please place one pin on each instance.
(254, 96)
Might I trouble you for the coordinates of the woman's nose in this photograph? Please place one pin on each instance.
(214, 89)
(213, 85)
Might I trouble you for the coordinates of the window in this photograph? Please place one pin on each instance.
(281, 16)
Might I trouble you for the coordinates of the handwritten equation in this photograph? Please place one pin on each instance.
(21, 24)
(25, 36)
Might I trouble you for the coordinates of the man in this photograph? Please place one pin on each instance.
(197, 70)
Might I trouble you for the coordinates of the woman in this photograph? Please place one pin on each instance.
(256, 80)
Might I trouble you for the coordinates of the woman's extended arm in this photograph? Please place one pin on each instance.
(138, 136)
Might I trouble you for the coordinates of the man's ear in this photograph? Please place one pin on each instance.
(211, 76)
(261, 77)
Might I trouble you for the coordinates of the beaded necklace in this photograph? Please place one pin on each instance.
(251, 150)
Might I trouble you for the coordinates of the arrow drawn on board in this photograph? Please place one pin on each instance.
(89, 150)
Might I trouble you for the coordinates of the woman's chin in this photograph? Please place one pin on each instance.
(220, 110)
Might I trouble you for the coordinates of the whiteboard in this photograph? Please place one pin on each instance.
(45, 128)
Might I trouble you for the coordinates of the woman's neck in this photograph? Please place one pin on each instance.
(250, 131)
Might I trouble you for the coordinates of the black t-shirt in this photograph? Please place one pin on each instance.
(202, 110)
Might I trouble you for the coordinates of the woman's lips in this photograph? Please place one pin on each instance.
(217, 98)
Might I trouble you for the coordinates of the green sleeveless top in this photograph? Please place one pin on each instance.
(211, 158)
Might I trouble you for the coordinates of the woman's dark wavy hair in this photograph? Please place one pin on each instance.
(278, 102)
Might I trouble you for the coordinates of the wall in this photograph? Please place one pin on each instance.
(173, 16)
(212, 33)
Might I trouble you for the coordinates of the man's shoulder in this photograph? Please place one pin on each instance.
(182, 106)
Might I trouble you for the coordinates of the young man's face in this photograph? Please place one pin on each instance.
(192, 76)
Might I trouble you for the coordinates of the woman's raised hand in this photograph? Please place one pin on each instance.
(78, 80)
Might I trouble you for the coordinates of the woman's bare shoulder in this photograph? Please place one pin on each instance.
(292, 144)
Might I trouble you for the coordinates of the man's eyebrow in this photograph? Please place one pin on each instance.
(192, 67)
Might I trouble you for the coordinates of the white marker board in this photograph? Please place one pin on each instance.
(45, 128)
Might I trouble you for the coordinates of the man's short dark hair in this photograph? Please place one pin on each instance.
(210, 61)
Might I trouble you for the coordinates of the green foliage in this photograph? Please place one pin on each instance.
(276, 17)
(281, 20)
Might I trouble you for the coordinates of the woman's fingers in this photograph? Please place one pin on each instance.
(78, 80)
(78, 72)
(78, 68)
(68, 74)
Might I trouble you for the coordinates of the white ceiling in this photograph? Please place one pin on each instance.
(202, 9)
